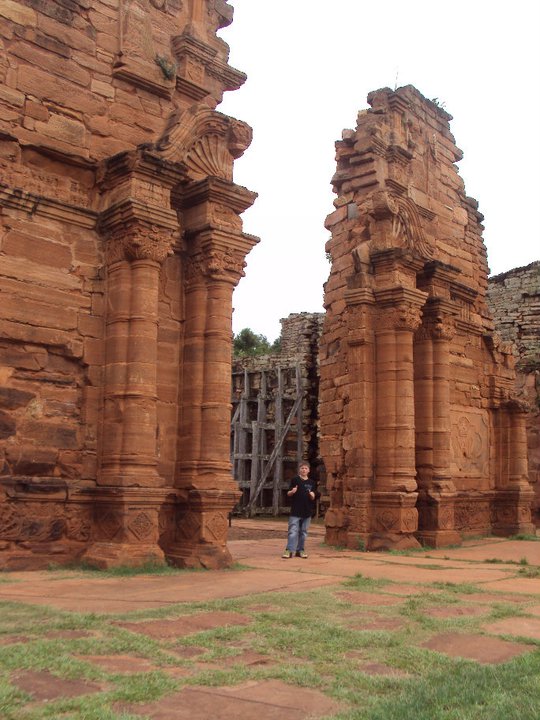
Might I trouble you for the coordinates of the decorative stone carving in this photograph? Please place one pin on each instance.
(224, 264)
(140, 243)
(470, 440)
(406, 317)
(206, 141)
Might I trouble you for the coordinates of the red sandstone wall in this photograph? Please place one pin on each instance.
(116, 194)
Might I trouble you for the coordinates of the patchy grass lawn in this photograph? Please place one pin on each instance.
(321, 639)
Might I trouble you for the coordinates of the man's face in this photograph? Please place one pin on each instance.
(303, 471)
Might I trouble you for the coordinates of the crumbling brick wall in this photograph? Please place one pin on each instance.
(514, 301)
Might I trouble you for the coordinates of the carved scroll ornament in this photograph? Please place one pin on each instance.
(206, 141)
(406, 227)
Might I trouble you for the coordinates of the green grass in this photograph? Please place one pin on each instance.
(317, 639)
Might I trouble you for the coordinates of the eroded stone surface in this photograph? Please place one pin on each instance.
(121, 664)
(456, 611)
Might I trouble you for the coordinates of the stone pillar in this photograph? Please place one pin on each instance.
(215, 259)
(394, 515)
(513, 498)
(129, 499)
(437, 492)
(352, 527)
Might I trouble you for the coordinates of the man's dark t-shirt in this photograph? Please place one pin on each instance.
(301, 504)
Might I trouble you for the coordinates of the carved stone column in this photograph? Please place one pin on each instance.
(437, 492)
(128, 500)
(394, 515)
(216, 248)
(350, 524)
(513, 498)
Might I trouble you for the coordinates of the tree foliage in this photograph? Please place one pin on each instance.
(249, 343)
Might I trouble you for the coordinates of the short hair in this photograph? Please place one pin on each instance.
(303, 464)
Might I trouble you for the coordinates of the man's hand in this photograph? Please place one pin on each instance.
(291, 492)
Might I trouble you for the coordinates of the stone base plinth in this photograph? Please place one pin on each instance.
(511, 512)
(394, 521)
(128, 524)
(200, 555)
(392, 541)
(200, 528)
(438, 538)
(436, 519)
(104, 555)
(42, 523)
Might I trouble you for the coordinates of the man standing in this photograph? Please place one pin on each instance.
(303, 492)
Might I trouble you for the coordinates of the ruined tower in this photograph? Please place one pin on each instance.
(120, 245)
(421, 435)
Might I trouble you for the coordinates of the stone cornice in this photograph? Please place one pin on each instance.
(216, 190)
(398, 295)
(223, 240)
(388, 258)
(359, 296)
(131, 211)
(192, 81)
(141, 162)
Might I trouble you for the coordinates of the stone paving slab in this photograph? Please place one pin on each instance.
(482, 648)
(186, 625)
(148, 591)
(263, 700)
(517, 626)
(527, 586)
(43, 686)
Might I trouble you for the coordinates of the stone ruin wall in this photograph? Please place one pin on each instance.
(512, 298)
(421, 434)
(514, 301)
(120, 245)
(299, 339)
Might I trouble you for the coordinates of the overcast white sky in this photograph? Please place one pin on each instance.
(310, 66)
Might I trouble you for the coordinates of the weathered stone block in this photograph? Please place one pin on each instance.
(17, 13)
(7, 425)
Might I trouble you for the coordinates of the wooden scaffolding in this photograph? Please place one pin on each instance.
(267, 436)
